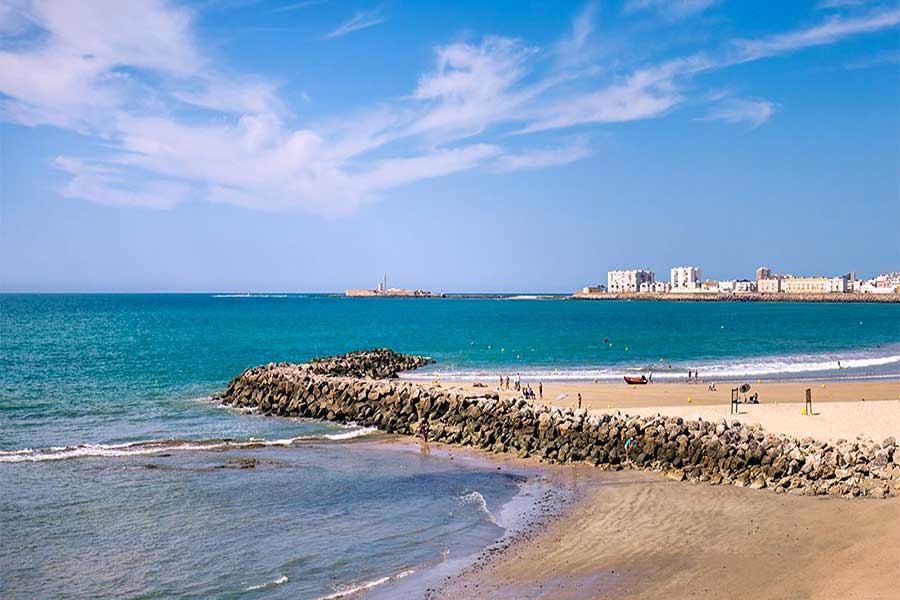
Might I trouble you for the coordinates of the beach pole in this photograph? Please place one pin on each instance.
(808, 404)
(735, 400)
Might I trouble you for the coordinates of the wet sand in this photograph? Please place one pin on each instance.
(640, 535)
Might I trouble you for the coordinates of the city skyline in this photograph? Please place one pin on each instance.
(270, 146)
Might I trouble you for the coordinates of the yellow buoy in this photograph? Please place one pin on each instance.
(759, 381)
(802, 411)
(634, 387)
(823, 386)
(690, 400)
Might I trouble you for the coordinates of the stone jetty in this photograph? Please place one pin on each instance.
(361, 387)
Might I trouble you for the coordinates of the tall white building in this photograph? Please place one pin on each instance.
(685, 278)
(627, 281)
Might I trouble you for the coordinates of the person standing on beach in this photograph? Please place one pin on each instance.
(690, 372)
(579, 399)
(541, 389)
(501, 383)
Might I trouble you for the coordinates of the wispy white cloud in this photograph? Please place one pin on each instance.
(129, 73)
(888, 57)
(540, 158)
(754, 112)
(361, 20)
(829, 32)
(830, 4)
(572, 48)
(299, 5)
(675, 9)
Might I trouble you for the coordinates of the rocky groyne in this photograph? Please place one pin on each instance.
(361, 387)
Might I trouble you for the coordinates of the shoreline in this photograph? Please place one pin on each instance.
(638, 527)
(640, 535)
(633, 534)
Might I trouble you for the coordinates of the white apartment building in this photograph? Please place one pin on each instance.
(627, 281)
(685, 278)
(657, 287)
(837, 284)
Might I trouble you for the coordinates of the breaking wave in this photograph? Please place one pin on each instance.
(366, 585)
(269, 584)
(478, 500)
(148, 447)
(849, 365)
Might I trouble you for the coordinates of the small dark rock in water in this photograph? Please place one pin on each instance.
(241, 463)
(151, 466)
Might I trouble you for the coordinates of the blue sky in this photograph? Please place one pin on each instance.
(499, 146)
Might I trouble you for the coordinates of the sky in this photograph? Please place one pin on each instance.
(508, 146)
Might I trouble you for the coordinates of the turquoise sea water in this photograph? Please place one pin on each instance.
(96, 387)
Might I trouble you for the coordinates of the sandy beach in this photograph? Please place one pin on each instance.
(840, 409)
(640, 535)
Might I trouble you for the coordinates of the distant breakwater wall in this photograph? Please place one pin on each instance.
(359, 387)
(742, 297)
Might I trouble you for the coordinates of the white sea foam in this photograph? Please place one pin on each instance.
(349, 435)
(852, 364)
(269, 584)
(478, 500)
(251, 296)
(149, 447)
(367, 585)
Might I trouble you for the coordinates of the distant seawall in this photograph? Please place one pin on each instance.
(742, 297)
(361, 387)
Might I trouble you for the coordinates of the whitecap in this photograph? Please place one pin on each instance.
(269, 584)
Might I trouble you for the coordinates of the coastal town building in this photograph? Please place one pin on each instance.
(804, 285)
(886, 283)
(737, 286)
(628, 280)
(770, 285)
(838, 285)
(655, 287)
(685, 278)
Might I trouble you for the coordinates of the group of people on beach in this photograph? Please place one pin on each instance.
(526, 389)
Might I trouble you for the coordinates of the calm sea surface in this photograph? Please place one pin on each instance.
(116, 471)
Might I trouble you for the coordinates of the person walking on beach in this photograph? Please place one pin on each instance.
(501, 383)
(690, 372)
(579, 399)
(541, 389)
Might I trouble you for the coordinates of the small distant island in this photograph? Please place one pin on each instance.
(382, 290)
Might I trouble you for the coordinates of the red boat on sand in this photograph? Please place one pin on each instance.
(636, 380)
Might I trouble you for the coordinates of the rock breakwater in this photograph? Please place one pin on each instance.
(360, 387)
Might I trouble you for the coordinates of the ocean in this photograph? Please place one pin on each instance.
(119, 478)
